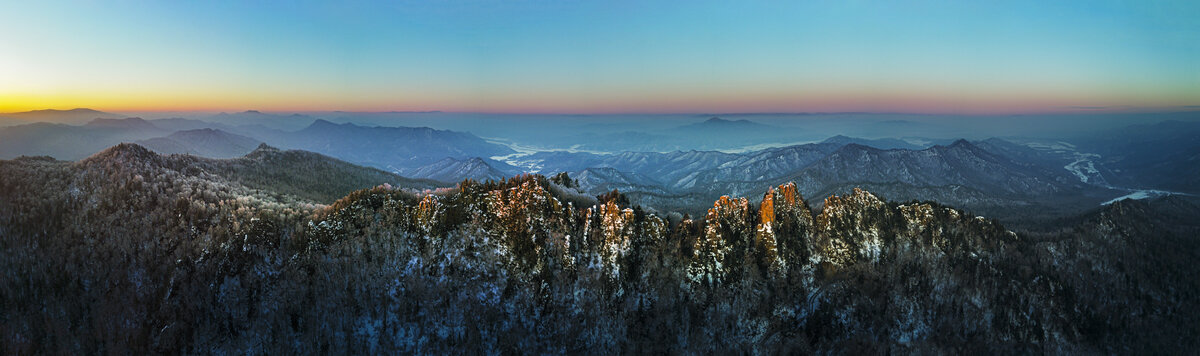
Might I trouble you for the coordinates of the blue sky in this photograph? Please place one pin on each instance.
(565, 56)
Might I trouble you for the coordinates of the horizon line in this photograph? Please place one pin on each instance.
(1070, 110)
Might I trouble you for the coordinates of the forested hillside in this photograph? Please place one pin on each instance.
(129, 250)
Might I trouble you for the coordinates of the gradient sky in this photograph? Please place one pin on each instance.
(601, 57)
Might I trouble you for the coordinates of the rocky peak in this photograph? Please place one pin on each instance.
(961, 145)
(124, 154)
(764, 238)
(788, 191)
(524, 209)
(616, 229)
(851, 228)
(856, 202)
(725, 208)
(766, 210)
(428, 210)
(726, 221)
(263, 150)
(613, 217)
(475, 162)
(780, 200)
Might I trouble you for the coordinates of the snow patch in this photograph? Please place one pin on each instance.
(916, 141)
(1059, 146)
(763, 146)
(1140, 194)
(1085, 168)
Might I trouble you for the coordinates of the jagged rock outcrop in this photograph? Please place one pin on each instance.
(851, 228)
(785, 222)
(724, 225)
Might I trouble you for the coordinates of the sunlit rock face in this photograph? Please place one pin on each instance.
(616, 230)
(783, 233)
(764, 238)
(427, 213)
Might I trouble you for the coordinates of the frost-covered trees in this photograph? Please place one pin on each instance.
(129, 251)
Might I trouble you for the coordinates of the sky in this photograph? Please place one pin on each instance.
(521, 56)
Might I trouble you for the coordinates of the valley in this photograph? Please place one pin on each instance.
(1023, 181)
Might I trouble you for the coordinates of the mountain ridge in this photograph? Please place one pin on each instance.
(207, 142)
(863, 274)
(69, 116)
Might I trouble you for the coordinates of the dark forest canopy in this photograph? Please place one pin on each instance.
(133, 251)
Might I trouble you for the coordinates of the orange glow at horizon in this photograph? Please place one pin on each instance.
(648, 100)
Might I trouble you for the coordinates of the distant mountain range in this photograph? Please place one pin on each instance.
(455, 170)
(306, 176)
(72, 142)
(1165, 155)
(716, 125)
(961, 163)
(712, 134)
(181, 124)
(715, 134)
(203, 142)
(397, 149)
(605, 179)
(72, 116)
(886, 143)
(975, 176)
(1013, 178)
(309, 175)
(692, 169)
(254, 118)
